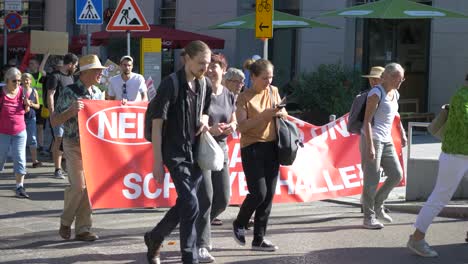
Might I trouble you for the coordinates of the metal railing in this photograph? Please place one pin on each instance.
(410, 135)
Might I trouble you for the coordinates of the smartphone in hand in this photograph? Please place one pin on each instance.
(282, 104)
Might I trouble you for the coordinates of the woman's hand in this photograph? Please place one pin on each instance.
(371, 152)
(217, 129)
(269, 113)
(230, 128)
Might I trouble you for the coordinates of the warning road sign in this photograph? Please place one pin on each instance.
(128, 17)
(88, 12)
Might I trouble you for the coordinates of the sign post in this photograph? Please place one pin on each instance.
(128, 17)
(264, 23)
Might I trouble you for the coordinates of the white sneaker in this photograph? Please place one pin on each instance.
(372, 223)
(382, 215)
(204, 256)
(421, 248)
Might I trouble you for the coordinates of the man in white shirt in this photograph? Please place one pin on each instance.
(128, 86)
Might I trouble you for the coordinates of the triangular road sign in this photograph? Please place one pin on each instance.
(89, 12)
(127, 17)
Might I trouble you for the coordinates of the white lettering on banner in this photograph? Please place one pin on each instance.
(330, 129)
(167, 185)
(243, 190)
(347, 177)
(328, 180)
(342, 129)
(123, 125)
(104, 123)
(288, 182)
(123, 128)
(146, 190)
(134, 186)
(133, 181)
(235, 156)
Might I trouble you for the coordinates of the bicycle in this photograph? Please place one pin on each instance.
(264, 5)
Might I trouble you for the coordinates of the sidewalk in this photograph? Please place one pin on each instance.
(424, 147)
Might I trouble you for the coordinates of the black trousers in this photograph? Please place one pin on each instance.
(186, 178)
(261, 166)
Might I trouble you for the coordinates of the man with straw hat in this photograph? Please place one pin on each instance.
(374, 75)
(76, 202)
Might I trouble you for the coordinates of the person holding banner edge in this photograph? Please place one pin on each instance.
(259, 153)
(77, 207)
(376, 146)
(176, 127)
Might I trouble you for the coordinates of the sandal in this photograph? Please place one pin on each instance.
(217, 222)
(37, 164)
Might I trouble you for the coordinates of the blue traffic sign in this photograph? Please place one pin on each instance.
(13, 21)
(88, 12)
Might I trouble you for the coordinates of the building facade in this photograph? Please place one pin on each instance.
(431, 51)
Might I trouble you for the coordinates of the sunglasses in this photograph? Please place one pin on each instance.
(16, 81)
(124, 91)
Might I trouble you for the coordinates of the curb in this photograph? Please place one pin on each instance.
(451, 210)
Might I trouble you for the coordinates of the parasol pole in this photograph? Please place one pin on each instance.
(265, 48)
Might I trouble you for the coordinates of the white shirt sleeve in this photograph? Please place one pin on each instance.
(142, 87)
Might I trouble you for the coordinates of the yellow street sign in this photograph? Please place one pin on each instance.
(264, 19)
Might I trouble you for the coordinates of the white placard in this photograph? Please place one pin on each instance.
(13, 5)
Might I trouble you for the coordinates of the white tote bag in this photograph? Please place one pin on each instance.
(210, 156)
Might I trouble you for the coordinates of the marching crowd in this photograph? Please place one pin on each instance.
(206, 96)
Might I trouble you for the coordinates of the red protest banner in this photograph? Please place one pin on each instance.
(118, 161)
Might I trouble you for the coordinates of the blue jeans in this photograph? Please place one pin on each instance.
(32, 132)
(17, 143)
(186, 178)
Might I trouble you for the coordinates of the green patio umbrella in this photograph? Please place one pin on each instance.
(394, 9)
(280, 21)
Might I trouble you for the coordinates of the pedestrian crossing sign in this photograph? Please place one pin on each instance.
(127, 17)
(88, 12)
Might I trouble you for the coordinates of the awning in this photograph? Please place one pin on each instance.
(171, 38)
(16, 39)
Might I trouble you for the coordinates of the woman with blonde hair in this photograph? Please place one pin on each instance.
(30, 117)
(13, 106)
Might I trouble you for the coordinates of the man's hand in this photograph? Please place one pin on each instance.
(76, 107)
(124, 101)
(158, 172)
(203, 125)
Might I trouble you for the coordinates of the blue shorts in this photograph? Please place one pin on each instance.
(58, 131)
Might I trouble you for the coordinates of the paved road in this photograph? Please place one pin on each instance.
(317, 232)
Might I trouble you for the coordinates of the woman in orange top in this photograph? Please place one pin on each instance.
(256, 112)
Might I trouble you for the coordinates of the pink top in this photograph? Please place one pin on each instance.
(12, 113)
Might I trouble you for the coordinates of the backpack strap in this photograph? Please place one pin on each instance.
(175, 82)
(203, 94)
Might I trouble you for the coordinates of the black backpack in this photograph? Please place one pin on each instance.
(358, 110)
(289, 141)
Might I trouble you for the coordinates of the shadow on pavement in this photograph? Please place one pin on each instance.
(400, 255)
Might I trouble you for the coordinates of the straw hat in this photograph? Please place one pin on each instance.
(375, 72)
(89, 62)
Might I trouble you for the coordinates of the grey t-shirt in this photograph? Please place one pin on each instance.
(221, 109)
